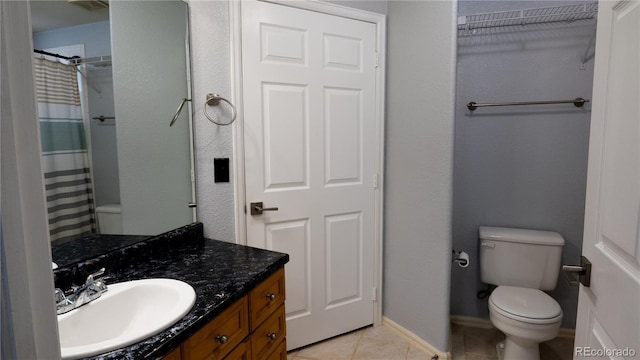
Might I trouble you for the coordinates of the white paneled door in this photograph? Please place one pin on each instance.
(608, 323)
(310, 149)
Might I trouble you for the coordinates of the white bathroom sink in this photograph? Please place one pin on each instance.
(127, 313)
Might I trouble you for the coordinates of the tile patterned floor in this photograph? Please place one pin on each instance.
(371, 343)
(472, 343)
(382, 343)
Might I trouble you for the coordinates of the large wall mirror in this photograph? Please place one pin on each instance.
(133, 74)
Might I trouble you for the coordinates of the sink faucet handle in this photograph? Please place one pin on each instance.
(91, 277)
(98, 285)
(59, 296)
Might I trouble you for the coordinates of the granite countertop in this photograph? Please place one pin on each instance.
(69, 252)
(220, 273)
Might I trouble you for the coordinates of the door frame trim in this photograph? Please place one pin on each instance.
(235, 34)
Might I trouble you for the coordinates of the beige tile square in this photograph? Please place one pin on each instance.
(338, 348)
(457, 341)
(373, 348)
(560, 348)
(479, 357)
(481, 341)
(458, 357)
(457, 330)
(291, 355)
(415, 353)
(380, 332)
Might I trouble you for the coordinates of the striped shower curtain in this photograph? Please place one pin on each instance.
(65, 161)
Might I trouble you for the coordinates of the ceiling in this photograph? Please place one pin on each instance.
(54, 14)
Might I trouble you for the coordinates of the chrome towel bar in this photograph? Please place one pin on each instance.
(578, 102)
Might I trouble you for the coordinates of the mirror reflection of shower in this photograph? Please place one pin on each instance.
(80, 161)
(140, 170)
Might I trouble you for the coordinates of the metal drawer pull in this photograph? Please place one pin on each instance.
(272, 336)
(222, 339)
(271, 296)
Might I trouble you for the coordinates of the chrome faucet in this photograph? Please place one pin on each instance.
(91, 290)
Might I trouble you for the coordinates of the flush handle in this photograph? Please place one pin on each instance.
(579, 274)
(257, 208)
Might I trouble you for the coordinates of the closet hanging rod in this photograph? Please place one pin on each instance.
(578, 102)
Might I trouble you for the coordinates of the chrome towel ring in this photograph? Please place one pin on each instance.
(214, 100)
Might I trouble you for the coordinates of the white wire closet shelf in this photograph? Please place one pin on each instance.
(478, 24)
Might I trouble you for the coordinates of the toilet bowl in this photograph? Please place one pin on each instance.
(522, 263)
(527, 317)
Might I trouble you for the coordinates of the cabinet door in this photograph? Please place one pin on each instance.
(221, 335)
(242, 352)
(280, 353)
(269, 335)
(175, 354)
(266, 298)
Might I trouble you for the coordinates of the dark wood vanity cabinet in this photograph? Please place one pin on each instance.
(253, 328)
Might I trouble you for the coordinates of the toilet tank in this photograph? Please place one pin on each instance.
(520, 257)
(109, 219)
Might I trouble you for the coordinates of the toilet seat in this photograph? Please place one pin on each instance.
(530, 306)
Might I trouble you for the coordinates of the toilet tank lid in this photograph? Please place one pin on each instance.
(109, 208)
(521, 235)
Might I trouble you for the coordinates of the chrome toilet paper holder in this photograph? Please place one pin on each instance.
(460, 257)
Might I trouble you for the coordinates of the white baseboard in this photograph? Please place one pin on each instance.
(415, 340)
(484, 323)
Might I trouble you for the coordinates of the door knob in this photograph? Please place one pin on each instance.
(583, 271)
(257, 208)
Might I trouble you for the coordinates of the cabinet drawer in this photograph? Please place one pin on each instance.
(175, 354)
(242, 352)
(266, 298)
(269, 335)
(221, 335)
(280, 353)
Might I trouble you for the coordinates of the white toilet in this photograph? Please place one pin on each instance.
(109, 219)
(522, 263)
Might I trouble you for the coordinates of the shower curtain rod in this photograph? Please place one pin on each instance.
(72, 60)
(55, 55)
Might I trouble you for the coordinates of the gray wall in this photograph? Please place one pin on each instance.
(519, 167)
(96, 38)
(419, 147)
